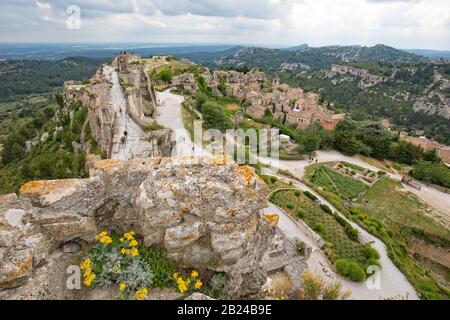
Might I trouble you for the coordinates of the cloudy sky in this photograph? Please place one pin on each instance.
(399, 23)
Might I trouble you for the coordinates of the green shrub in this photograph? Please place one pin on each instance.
(310, 196)
(430, 172)
(370, 252)
(318, 227)
(374, 262)
(356, 273)
(162, 267)
(352, 233)
(153, 127)
(214, 116)
(273, 179)
(215, 286)
(165, 75)
(342, 267)
(326, 208)
(297, 193)
(301, 214)
(290, 206)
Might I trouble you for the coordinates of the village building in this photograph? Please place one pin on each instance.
(290, 105)
(442, 150)
(185, 81)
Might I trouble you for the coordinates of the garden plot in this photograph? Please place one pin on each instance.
(332, 181)
(339, 246)
(356, 172)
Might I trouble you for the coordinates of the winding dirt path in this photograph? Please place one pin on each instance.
(133, 146)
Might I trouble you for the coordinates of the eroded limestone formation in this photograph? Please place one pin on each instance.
(119, 90)
(205, 212)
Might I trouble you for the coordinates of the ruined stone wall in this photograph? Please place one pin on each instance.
(96, 96)
(141, 98)
(205, 212)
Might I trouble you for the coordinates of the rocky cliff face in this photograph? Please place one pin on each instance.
(436, 99)
(139, 91)
(96, 95)
(367, 79)
(205, 212)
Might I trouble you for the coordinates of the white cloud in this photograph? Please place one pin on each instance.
(400, 23)
(43, 5)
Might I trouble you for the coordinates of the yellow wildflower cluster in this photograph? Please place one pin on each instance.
(104, 238)
(128, 236)
(88, 275)
(198, 284)
(183, 284)
(132, 250)
(141, 294)
(122, 286)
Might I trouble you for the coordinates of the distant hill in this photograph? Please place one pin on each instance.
(61, 51)
(25, 77)
(298, 48)
(206, 57)
(432, 54)
(317, 58)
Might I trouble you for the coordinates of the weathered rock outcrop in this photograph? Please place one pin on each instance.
(436, 98)
(139, 92)
(96, 96)
(109, 103)
(367, 79)
(205, 212)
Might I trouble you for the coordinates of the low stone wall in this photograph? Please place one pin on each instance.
(205, 212)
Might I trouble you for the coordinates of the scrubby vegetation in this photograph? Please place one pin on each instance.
(431, 172)
(53, 156)
(24, 77)
(315, 288)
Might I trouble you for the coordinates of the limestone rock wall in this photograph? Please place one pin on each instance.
(367, 79)
(97, 97)
(139, 92)
(205, 212)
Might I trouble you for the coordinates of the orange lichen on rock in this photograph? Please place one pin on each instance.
(39, 188)
(14, 273)
(220, 160)
(272, 218)
(247, 172)
(106, 165)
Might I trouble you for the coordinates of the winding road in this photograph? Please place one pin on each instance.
(170, 116)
